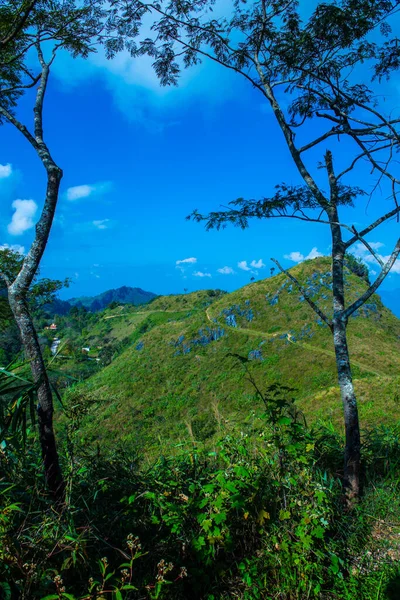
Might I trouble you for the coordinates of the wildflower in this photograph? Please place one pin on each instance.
(183, 572)
(163, 569)
(133, 543)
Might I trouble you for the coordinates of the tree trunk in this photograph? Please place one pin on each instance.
(18, 289)
(352, 455)
(53, 474)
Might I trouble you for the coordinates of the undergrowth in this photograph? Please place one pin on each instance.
(257, 517)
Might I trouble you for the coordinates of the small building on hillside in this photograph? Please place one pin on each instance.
(53, 327)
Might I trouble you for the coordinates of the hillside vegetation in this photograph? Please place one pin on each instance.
(9, 338)
(200, 437)
(184, 361)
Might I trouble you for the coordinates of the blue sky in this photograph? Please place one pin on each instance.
(137, 159)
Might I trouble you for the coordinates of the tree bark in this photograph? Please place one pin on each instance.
(18, 290)
(17, 294)
(47, 440)
(352, 454)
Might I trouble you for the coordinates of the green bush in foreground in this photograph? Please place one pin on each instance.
(257, 517)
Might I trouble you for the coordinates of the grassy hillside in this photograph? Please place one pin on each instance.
(178, 378)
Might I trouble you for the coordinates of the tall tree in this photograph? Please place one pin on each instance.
(312, 74)
(25, 28)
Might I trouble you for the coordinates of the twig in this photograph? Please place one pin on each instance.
(304, 292)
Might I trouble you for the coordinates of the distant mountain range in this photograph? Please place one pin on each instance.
(122, 295)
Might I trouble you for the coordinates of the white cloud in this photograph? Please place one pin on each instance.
(201, 274)
(294, 256)
(257, 264)
(14, 247)
(226, 271)
(360, 251)
(5, 171)
(191, 260)
(22, 219)
(252, 268)
(84, 191)
(375, 245)
(102, 224)
(313, 254)
(299, 257)
(243, 265)
(79, 191)
(136, 89)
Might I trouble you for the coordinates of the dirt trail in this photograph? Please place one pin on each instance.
(305, 345)
(258, 333)
(141, 312)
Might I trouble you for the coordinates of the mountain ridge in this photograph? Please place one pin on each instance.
(122, 295)
(179, 364)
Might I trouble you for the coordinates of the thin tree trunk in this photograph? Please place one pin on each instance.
(17, 294)
(352, 455)
(18, 290)
(47, 440)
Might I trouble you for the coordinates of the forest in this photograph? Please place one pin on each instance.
(207, 444)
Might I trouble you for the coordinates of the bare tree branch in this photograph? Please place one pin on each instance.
(373, 226)
(359, 157)
(305, 294)
(372, 289)
(369, 248)
(22, 128)
(334, 131)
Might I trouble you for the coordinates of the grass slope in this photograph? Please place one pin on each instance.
(179, 378)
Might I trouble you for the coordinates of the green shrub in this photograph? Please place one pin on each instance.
(260, 515)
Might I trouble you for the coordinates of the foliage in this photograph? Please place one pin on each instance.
(154, 389)
(260, 515)
(357, 266)
(10, 343)
(24, 25)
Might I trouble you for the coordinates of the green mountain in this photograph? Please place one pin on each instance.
(178, 374)
(122, 295)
